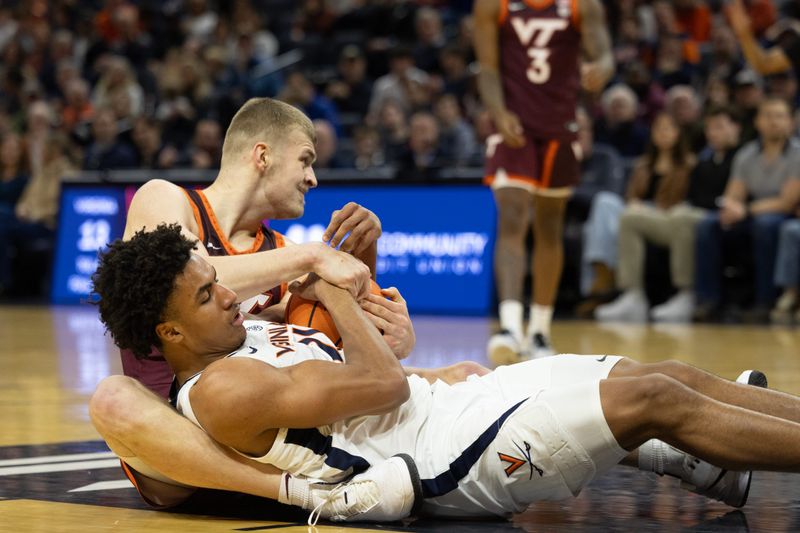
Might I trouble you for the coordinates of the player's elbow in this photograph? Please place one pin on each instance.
(398, 390)
(387, 392)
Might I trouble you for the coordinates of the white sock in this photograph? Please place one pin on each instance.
(659, 457)
(511, 317)
(541, 317)
(294, 491)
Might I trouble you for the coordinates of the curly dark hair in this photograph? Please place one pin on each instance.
(134, 281)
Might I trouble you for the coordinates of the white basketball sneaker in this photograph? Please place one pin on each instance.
(504, 348)
(704, 478)
(540, 346)
(753, 377)
(727, 486)
(698, 476)
(388, 491)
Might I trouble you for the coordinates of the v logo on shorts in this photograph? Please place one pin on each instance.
(515, 462)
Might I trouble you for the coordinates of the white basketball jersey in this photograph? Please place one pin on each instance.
(335, 451)
(480, 446)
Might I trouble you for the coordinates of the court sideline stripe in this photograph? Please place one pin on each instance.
(56, 458)
(58, 467)
(276, 526)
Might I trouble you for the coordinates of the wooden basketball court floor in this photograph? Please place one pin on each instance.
(56, 475)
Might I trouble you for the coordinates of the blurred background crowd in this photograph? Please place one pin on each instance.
(390, 87)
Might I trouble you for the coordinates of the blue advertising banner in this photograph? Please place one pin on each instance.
(89, 219)
(437, 244)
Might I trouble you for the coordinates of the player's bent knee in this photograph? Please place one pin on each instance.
(626, 368)
(110, 407)
(679, 371)
(663, 401)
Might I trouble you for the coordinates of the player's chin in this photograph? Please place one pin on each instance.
(239, 334)
(297, 209)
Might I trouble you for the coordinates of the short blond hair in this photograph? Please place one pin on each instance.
(263, 119)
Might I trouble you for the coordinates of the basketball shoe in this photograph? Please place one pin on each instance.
(696, 475)
(504, 348)
(388, 491)
(700, 476)
(753, 377)
(539, 346)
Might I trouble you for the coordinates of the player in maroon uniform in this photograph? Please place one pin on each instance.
(265, 173)
(530, 76)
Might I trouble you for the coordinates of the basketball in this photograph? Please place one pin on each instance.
(311, 314)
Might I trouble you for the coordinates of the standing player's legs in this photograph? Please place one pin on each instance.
(510, 260)
(547, 265)
(559, 173)
(513, 174)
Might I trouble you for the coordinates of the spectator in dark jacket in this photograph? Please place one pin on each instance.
(106, 151)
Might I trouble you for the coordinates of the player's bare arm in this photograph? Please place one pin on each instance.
(596, 46)
(159, 201)
(455, 373)
(309, 394)
(487, 50)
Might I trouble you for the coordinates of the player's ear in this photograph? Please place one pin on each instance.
(262, 156)
(169, 333)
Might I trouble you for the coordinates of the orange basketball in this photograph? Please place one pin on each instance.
(311, 314)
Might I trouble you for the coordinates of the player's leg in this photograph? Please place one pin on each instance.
(169, 456)
(638, 409)
(559, 172)
(547, 265)
(762, 400)
(143, 430)
(513, 207)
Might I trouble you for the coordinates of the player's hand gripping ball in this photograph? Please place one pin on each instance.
(311, 314)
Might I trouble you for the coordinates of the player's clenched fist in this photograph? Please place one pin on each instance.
(389, 313)
(362, 225)
(343, 270)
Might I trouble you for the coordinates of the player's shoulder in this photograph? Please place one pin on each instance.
(157, 188)
(159, 201)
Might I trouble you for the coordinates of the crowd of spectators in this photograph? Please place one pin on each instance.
(390, 86)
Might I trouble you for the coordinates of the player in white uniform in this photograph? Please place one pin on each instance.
(453, 432)
(490, 445)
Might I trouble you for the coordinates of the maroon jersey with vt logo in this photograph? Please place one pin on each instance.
(153, 371)
(539, 53)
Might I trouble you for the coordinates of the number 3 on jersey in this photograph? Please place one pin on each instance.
(536, 35)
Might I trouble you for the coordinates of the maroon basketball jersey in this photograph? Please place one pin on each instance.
(539, 52)
(153, 371)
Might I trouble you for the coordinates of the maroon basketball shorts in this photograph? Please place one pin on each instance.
(538, 164)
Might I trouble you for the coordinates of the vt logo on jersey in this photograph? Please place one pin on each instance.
(535, 33)
(515, 462)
